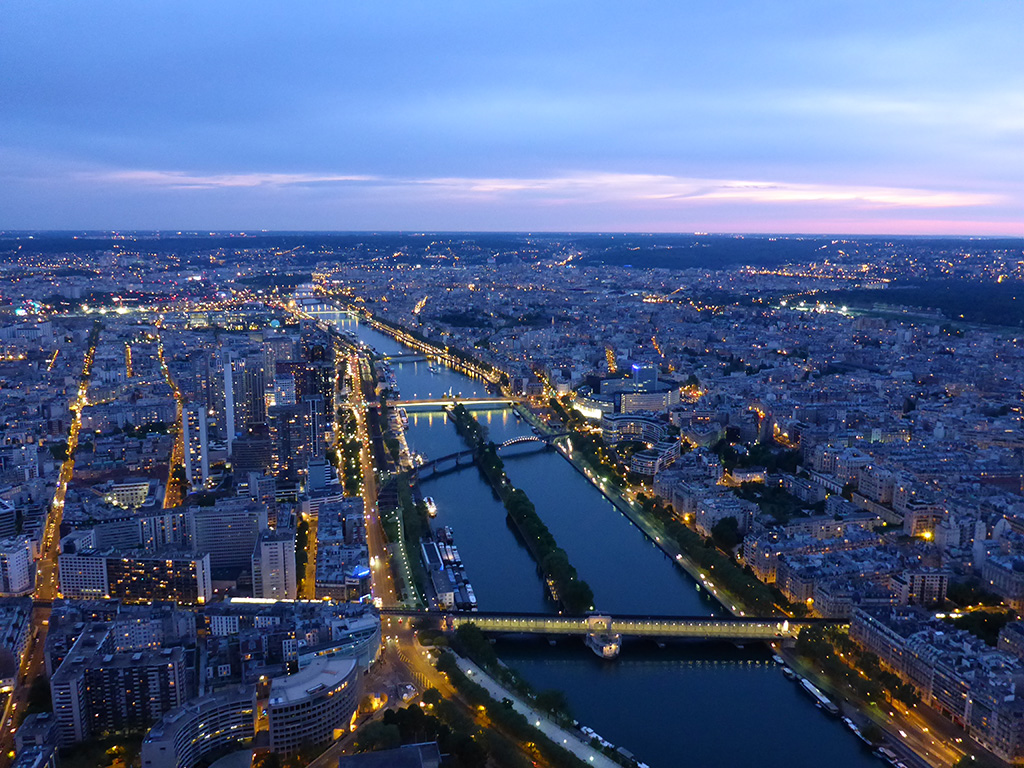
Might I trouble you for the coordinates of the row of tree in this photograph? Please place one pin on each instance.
(506, 718)
(834, 652)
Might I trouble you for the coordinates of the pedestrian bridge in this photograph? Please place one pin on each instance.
(655, 627)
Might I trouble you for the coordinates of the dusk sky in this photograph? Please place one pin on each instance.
(825, 117)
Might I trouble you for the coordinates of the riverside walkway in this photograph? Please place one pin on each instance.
(565, 738)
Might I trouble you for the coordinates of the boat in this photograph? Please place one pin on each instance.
(788, 673)
(472, 596)
(431, 506)
(820, 699)
(887, 755)
(604, 645)
(853, 727)
(777, 659)
(404, 416)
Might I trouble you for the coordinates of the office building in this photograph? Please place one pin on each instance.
(645, 377)
(196, 441)
(16, 566)
(314, 705)
(184, 736)
(227, 532)
(135, 575)
(97, 690)
(273, 565)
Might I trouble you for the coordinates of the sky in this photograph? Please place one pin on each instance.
(867, 117)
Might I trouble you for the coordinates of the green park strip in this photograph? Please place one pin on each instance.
(575, 594)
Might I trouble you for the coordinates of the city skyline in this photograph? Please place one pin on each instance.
(866, 120)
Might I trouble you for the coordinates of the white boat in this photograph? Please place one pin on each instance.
(404, 416)
(605, 646)
(820, 698)
(431, 506)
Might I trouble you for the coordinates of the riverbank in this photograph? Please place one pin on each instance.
(542, 722)
(731, 602)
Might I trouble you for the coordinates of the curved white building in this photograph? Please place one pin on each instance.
(313, 706)
(185, 735)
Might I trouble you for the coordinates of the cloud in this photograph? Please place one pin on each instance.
(573, 188)
(183, 180)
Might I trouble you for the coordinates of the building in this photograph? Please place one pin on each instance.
(1005, 577)
(227, 532)
(342, 558)
(616, 427)
(655, 459)
(97, 690)
(313, 706)
(273, 565)
(195, 437)
(129, 493)
(183, 736)
(714, 508)
(36, 756)
(16, 566)
(953, 672)
(136, 575)
(926, 586)
(645, 377)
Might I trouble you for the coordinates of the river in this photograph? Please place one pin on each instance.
(700, 705)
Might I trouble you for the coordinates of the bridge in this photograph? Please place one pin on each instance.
(410, 357)
(468, 456)
(734, 629)
(452, 401)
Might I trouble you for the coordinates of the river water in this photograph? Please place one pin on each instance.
(703, 705)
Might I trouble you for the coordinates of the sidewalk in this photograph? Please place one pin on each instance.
(567, 739)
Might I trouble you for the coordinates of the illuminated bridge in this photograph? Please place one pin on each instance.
(494, 402)
(655, 627)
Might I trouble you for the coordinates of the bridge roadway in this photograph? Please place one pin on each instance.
(451, 401)
(658, 627)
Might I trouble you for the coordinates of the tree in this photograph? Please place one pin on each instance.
(39, 696)
(970, 761)
(873, 733)
(431, 696)
(268, 760)
(554, 701)
(378, 735)
(726, 533)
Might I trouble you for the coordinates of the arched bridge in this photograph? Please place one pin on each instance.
(468, 456)
(546, 439)
(738, 629)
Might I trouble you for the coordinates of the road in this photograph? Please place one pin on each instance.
(47, 587)
(173, 496)
(47, 576)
